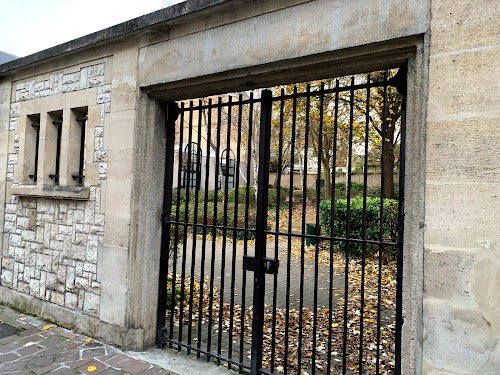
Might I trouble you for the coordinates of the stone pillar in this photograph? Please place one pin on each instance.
(462, 239)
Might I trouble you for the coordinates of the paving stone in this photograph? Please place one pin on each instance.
(41, 361)
(92, 344)
(8, 339)
(62, 371)
(12, 366)
(110, 371)
(46, 369)
(155, 371)
(68, 356)
(81, 362)
(28, 350)
(67, 334)
(9, 357)
(30, 331)
(54, 350)
(120, 361)
(69, 344)
(136, 367)
(52, 341)
(94, 352)
(108, 357)
(10, 347)
(19, 372)
(88, 367)
(49, 353)
(33, 338)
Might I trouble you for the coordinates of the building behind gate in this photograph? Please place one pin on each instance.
(80, 213)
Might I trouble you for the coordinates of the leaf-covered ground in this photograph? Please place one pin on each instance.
(281, 329)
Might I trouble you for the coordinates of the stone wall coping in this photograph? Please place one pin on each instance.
(160, 16)
(51, 192)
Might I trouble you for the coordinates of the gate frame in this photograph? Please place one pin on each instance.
(145, 256)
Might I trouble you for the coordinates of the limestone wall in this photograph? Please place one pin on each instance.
(51, 243)
(462, 232)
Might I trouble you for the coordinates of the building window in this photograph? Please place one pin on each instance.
(228, 168)
(32, 146)
(191, 167)
(53, 137)
(76, 145)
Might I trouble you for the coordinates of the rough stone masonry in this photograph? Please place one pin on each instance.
(53, 244)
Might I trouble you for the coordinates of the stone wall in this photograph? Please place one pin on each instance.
(51, 245)
(462, 232)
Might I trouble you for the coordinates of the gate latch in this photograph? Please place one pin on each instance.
(270, 265)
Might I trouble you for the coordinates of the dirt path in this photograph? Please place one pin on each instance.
(228, 263)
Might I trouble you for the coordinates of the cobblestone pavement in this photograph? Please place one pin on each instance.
(42, 348)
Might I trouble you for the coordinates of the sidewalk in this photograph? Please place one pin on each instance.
(41, 348)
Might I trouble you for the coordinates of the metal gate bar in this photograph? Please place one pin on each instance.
(215, 322)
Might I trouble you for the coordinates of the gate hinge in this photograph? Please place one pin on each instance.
(270, 265)
(162, 337)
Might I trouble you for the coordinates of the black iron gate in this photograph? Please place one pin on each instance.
(274, 260)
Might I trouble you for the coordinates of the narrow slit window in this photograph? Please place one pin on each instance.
(228, 167)
(57, 122)
(81, 121)
(33, 136)
(191, 168)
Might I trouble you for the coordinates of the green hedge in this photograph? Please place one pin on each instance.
(389, 230)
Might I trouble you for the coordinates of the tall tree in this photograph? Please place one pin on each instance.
(384, 112)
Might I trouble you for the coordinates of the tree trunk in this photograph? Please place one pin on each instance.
(327, 176)
(388, 176)
(301, 168)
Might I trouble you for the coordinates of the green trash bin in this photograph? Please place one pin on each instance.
(311, 229)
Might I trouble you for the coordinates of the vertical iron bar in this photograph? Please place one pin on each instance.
(363, 231)
(235, 224)
(332, 220)
(195, 228)
(37, 127)
(303, 230)
(401, 208)
(290, 216)
(318, 198)
(224, 230)
(348, 227)
(214, 223)
(83, 121)
(172, 112)
(380, 248)
(245, 244)
(205, 219)
(176, 231)
(261, 227)
(186, 220)
(276, 239)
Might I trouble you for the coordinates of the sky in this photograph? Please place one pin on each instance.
(29, 26)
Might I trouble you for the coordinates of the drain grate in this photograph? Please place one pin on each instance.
(7, 330)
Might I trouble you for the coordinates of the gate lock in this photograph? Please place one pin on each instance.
(270, 265)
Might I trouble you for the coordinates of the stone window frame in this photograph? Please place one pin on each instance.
(47, 184)
(70, 93)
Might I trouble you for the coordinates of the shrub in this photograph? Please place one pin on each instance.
(273, 196)
(177, 297)
(389, 229)
(242, 193)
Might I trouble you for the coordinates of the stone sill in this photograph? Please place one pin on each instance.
(51, 192)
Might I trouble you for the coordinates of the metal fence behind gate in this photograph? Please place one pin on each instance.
(269, 277)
